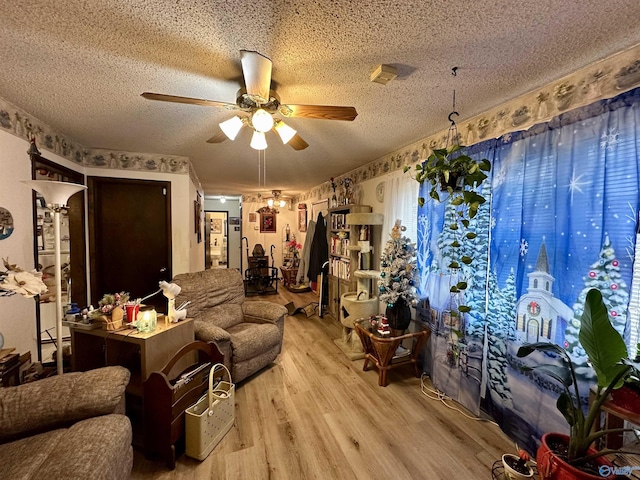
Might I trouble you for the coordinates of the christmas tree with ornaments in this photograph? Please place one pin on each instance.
(398, 268)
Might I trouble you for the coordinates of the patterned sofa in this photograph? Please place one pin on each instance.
(70, 426)
(248, 333)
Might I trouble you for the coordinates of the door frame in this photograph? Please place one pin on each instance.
(92, 182)
(225, 234)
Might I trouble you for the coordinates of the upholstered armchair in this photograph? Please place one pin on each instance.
(248, 333)
(69, 426)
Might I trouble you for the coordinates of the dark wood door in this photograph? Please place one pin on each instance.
(130, 237)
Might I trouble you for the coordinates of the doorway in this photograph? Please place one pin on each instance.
(130, 237)
(216, 239)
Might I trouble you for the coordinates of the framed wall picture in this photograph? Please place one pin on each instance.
(234, 220)
(216, 225)
(302, 220)
(252, 217)
(267, 223)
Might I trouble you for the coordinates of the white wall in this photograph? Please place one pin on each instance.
(17, 314)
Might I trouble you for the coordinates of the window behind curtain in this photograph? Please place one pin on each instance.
(401, 202)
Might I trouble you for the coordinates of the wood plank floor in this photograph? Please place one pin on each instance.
(314, 414)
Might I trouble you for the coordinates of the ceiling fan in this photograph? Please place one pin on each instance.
(261, 103)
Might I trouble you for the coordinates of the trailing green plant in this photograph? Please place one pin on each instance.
(451, 170)
(442, 166)
(607, 354)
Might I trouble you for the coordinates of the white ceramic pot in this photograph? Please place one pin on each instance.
(510, 473)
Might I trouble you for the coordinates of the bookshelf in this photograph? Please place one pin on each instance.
(343, 259)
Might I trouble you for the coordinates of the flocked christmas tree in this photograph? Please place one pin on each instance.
(398, 268)
(604, 275)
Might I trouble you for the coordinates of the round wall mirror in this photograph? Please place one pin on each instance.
(6, 223)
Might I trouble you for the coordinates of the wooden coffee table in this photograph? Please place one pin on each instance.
(381, 350)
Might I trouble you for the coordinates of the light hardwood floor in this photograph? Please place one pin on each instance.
(314, 414)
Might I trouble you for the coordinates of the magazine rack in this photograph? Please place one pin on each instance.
(167, 396)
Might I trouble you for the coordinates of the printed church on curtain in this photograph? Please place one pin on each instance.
(540, 316)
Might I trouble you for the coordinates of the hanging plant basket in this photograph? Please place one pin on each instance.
(455, 182)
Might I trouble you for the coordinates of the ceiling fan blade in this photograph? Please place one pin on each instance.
(297, 143)
(188, 100)
(322, 112)
(218, 138)
(256, 69)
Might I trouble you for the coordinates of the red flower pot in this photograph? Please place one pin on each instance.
(552, 467)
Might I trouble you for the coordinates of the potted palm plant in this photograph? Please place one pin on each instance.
(572, 456)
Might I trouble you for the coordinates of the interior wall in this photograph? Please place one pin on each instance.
(17, 314)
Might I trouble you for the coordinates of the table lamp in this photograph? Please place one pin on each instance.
(171, 291)
(56, 195)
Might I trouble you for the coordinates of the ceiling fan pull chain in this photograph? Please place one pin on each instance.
(262, 168)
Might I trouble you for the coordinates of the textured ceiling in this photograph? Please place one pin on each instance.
(80, 67)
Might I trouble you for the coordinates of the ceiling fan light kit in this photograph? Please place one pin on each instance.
(285, 131)
(261, 103)
(383, 74)
(231, 127)
(262, 121)
(258, 141)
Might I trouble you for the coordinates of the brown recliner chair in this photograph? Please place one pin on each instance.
(248, 333)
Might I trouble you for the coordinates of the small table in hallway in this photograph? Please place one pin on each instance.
(381, 350)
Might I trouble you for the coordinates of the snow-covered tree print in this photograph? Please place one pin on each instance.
(604, 274)
(498, 328)
(475, 273)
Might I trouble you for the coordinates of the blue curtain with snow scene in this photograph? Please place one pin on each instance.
(562, 219)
